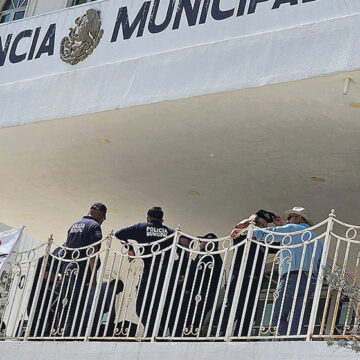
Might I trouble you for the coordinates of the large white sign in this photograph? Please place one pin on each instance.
(73, 62)
(30, 48)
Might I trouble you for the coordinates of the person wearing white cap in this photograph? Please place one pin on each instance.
(298, 222)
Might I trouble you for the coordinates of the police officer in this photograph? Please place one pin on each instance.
(87, 231)
(84, 232)
(148, 232)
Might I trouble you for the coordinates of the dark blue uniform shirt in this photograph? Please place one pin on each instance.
(84, 232)
(146, 232)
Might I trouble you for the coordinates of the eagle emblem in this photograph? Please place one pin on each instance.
(83, 38)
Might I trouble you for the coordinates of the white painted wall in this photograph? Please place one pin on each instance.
(37, 7)
(270, 46)
(173, 351)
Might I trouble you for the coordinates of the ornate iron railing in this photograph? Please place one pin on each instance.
(263, 285)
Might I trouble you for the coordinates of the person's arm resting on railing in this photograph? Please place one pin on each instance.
(125, 234)
(274, 238)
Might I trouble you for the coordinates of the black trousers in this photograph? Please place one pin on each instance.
(70, 290)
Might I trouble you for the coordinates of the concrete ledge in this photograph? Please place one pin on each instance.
(172, 350)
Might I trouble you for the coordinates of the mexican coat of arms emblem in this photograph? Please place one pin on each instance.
(83, 38)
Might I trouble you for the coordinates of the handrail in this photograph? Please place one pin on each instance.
(173, 290)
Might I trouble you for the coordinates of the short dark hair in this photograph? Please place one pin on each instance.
(155, 213)
(266, 215)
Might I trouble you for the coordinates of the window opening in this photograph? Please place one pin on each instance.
(13, 10)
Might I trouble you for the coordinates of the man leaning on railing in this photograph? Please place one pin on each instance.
(146, 233)
(84, 232)
(290, 264)
(251, 278)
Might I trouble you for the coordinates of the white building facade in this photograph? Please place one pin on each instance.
(212, 108)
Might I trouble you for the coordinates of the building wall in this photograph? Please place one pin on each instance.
(2, 2)
(37, 7)
(173, 351)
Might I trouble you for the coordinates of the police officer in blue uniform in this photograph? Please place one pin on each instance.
(149, 232)
(84, 232)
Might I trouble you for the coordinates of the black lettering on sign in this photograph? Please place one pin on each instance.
(34, 42)
(153, 28)
(123, 20)
(277, 3)
(218, 14)
(47, 45)
(13, 57)
(195, 11)
(241, 8)
(191, 12)
(253, 4)
(4, 49)
(204, 11)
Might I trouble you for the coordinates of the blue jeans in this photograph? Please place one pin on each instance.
(288, 301)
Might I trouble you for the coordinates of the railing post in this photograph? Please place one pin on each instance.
(166, 285)
(38, 287)
(98, 287)
(320, 276)
(240, 280)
